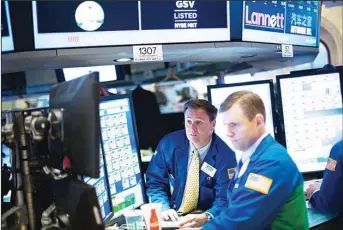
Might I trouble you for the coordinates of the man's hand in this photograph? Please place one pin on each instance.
(193, 221)
(311, 189)
(170, 214)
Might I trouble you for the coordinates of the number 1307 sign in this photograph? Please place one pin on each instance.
(147, 53)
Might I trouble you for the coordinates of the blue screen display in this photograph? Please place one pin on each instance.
(282, 22)
(121, 155)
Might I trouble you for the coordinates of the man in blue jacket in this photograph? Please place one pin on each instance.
(267, 189)
(190, 169)
(328, 197)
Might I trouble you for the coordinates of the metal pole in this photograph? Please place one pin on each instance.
(20, 133)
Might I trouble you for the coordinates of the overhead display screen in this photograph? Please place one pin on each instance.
(6, 29)
(105, 23)
(282, 22)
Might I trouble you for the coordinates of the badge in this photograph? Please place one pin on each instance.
(258, 183)
(208, 169)
(231, 172)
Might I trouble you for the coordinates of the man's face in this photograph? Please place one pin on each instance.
(241, 132)
(198, 127)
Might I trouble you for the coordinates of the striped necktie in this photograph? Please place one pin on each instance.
(191, 193)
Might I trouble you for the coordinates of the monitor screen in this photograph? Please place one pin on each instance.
(171, 96)
(312, 117)
(6, 28)
(106, 23)
(282, 22)
(6, 158)
(101, 188)
(217, 94)
(106, 72)
(121, 153)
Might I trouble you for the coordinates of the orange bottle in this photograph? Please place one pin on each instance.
(154, 224)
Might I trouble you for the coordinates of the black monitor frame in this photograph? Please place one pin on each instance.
(272, 98)
(299, 74)
(120, 220)
(79, 99)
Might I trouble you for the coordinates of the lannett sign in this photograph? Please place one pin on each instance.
(274, 21)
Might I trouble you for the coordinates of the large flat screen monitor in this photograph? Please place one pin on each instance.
(102, 189)
(218, 93)
(62, 24)
(171, 96)
(6, 28)
(311, 112)
(106, 72)
(282, 22)
(121, 153)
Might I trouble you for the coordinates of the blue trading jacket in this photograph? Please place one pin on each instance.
(249, 209)
(330, 196)
(168, 168)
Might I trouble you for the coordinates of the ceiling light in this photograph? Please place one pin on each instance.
(249, 56)
(123, 59)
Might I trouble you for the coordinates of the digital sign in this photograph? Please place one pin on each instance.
(6, 29)
(103, 23)
(282, 22)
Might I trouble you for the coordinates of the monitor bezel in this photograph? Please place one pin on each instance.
(299, 74)
(260, 82)
(83, 178)
(134, 126)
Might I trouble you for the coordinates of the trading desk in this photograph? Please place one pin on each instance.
(318, 220)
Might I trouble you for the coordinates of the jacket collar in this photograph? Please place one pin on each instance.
(266, 142)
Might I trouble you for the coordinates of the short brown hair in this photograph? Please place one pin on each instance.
(250, 103)
(202, 104)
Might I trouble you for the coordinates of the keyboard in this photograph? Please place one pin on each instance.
(171, 224)
(308, 182)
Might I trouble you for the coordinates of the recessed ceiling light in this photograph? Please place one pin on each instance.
(249, 56)
(123, 59)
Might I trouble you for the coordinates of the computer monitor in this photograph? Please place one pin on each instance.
(106, 72)
(121, 153)
(311, 113)
(218, 93)
(6, 28)
(6, 159)
(102, 190)
(79, 99)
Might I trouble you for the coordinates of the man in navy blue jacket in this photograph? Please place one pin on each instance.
(328, 197)
(169, 168)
